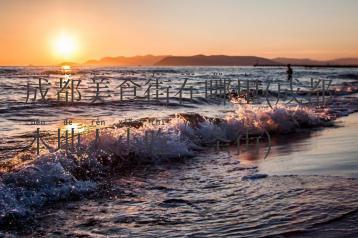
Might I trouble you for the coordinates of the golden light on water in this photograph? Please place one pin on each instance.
(78, 128)
(66, 67)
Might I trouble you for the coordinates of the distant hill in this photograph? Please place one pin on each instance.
(125, 61)
(295, 61)
(344, 61)
(214, 60)
(68, 64)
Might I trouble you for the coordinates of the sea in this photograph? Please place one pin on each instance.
(178, 152)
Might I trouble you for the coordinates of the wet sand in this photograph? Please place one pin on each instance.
(330, 151)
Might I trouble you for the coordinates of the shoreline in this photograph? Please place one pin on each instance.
(119, 191)
(314, 155)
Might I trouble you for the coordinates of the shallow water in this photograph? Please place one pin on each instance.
(209, 198)
(332, 151)
(221, 193)
(218, 192)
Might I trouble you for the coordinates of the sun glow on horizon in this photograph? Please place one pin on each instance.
(54, 32)
(65, 46)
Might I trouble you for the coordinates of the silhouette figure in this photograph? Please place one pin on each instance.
(289, 72)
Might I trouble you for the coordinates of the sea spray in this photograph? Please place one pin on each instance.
(59, 176)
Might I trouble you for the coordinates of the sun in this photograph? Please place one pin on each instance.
(65, 46)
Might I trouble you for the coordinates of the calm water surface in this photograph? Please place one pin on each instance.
(332, 151)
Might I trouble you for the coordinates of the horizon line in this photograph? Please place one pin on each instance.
(169, 55)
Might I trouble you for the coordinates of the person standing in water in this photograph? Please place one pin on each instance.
(289, 72)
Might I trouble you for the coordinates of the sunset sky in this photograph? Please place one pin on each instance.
(43, 32)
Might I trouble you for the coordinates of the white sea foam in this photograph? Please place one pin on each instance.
(57, 176)
(45, 180)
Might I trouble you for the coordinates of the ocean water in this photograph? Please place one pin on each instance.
(332, 151)
(177, 164)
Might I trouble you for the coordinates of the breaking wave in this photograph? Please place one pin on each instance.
(28, 182)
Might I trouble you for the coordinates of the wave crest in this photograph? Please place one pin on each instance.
(30, 184)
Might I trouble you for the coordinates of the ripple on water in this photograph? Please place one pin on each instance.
(171, 201)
